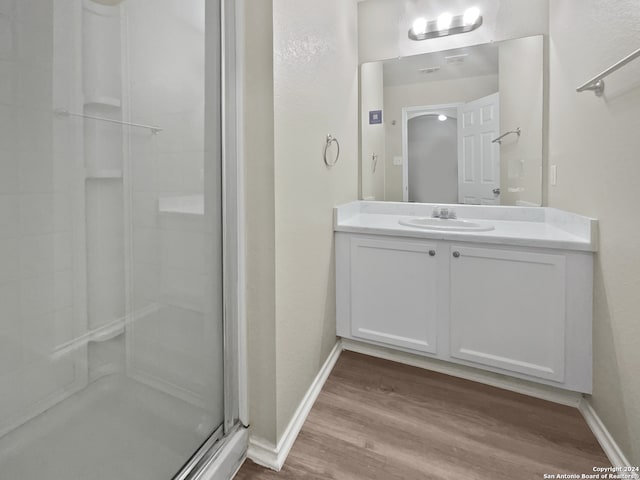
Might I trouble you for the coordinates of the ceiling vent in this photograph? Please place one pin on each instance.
(456, 59)
(429, 70)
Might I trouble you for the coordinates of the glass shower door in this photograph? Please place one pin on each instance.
(111, 324)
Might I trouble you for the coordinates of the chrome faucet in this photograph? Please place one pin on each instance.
(444, 213)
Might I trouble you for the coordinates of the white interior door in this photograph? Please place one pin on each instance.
(478, 158)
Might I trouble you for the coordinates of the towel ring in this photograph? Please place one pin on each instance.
(330, 140)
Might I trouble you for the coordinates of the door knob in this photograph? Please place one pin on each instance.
(432, 253)
(496, 191)
(456, 254)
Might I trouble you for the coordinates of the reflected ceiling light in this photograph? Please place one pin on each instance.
(444, 21)
(446, 24)
(442, 117)
(420, 26)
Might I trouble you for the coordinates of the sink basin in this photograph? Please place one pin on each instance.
(448, 225)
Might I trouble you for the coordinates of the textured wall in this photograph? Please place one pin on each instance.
(594, 142)
(300, 84)
(260, 216)
(316, 92)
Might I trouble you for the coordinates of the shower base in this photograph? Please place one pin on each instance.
(116, 428)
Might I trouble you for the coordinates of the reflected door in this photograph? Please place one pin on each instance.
(478, 157)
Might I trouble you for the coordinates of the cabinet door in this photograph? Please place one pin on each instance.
(393, 289)
(508, 310)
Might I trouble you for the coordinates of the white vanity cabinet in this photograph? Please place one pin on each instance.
(507, 309)
(521, 311)
(393, 285)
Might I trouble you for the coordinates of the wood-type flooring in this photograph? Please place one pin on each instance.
(381, 420)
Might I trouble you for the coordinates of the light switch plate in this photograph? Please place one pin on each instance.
(553, 175)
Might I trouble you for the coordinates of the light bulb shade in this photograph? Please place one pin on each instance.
(442, 117)
(471, 15)
(419, 26)
(444, 21)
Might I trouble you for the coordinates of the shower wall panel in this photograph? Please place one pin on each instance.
(171, 259)
(111, 345)
(38, 306)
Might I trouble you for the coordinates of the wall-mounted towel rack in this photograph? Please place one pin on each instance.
(331, 139)
(517, 131)
(66, 113)
(596, 84)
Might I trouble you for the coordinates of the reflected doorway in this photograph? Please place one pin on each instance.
(450, 155)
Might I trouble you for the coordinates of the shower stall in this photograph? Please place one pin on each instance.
(117, 320)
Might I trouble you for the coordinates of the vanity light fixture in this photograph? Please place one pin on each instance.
(471, 15)
(444, 21)
(420, 26)
(446, 24)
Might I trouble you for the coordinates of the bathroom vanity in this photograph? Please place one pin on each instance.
(505, 289)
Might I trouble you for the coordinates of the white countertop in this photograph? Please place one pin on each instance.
(519, 226)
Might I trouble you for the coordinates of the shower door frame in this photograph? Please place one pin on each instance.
(224, 451)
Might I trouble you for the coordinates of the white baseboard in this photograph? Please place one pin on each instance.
(273, 456)
(543, 392)
(263, 453)
(611, 448)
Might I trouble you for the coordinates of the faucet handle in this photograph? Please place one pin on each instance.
(444, 213)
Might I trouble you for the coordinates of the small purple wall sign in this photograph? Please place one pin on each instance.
(375, 117)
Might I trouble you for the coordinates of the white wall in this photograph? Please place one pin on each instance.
(521, 79)
(260, 215)
(372, 136)
(383, 24)
(594, 142)
(315, 93)
(300, 84)
(422, 94)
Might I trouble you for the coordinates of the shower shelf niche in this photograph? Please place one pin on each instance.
(187, 205)
(99, 334)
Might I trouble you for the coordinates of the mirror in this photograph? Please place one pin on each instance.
(456, 126)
